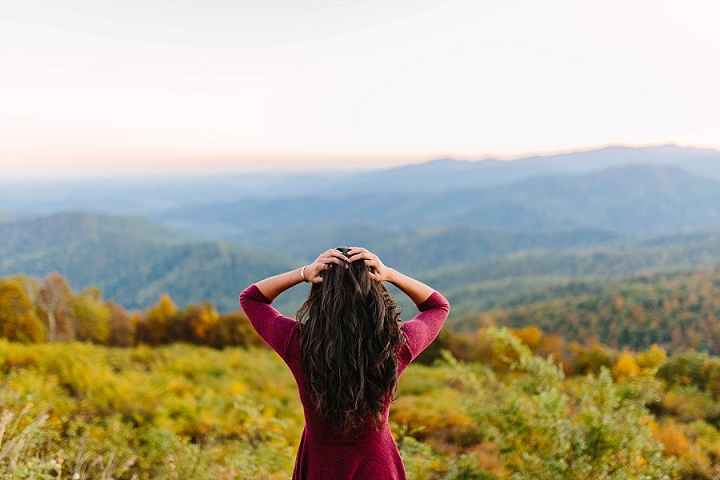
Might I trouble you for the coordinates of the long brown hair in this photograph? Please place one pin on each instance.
(350, 338)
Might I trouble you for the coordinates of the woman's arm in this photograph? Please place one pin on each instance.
(415, 289)
(273, 286)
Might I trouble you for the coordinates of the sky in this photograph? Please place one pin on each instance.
(183, 86)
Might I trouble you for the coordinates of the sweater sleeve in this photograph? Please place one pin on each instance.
(274, 327)
(425, 326)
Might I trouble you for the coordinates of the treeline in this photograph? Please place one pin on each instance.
(678, 311)
(33, 311)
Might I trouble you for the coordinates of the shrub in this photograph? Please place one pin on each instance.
(543, 433)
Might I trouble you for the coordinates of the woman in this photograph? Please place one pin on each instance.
(346, 352)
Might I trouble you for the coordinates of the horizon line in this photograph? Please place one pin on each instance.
(196, 169)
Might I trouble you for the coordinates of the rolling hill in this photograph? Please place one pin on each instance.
(423, 249)
(522, 277)
(676, 310)
(133, 260)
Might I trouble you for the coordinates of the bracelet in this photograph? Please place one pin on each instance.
(302, 274)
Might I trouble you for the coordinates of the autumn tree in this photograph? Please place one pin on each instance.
(651, 358)
(18, 320)
(54, 301)
(625, 368)
(233, 329)
(194, 324)
(691, 368)
(530, 337)
(154, 330)
(590, 358)
(122, 326)
(92, 316)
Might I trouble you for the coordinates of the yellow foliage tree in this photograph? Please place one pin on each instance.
(652, 357)
(92, 316)
(625, 367)
(157, 320)
(233, 329)
(18, 320)
(584, 359)
(551, 345)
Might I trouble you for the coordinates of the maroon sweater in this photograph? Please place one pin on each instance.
(324, 453)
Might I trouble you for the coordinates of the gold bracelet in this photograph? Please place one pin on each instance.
(302, 274)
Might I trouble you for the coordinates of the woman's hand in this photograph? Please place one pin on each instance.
(416, 290)
(378, 271)
(329, 257)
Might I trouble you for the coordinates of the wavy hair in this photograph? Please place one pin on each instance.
(350, 339)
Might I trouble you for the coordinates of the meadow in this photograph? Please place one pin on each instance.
(90, 390)
(78, 410)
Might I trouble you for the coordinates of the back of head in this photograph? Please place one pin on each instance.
(350, 338)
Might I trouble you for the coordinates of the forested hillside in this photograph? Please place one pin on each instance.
(132, 260)
(486, 233)
(419, 250)
(521, 277)
(678, 311)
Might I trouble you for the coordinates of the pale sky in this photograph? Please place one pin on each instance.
(138, 86)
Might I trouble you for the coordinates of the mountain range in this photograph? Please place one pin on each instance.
(150, 195)
(488, 233)
(642, 201)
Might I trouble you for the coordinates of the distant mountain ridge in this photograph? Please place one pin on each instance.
(424, 249)
(451, 174)
(153, 195)
(635, 200)
(545, 220)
